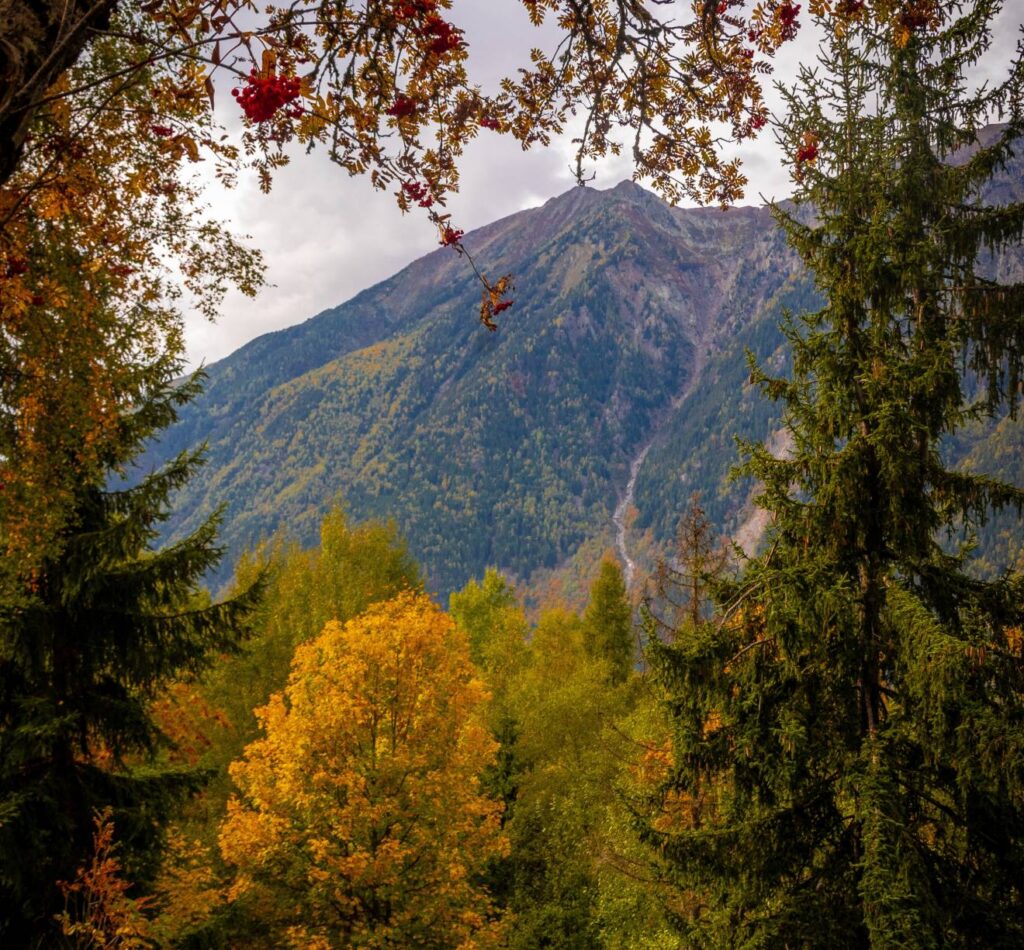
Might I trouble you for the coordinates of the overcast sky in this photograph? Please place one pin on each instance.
(326, 236)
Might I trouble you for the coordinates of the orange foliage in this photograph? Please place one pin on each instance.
(189, 890)
(188, 721)
(361, 820)
(669, 810)
(99, 913)
(100, 228)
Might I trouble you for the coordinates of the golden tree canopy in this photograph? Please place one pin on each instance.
(360, 820)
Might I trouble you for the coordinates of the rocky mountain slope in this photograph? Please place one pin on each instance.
(511, 448)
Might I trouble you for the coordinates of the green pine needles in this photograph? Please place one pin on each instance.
(92, 637)
(608, 622)
(849, 729)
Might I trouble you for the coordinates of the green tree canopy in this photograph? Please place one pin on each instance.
(95, 634)
(849, 732)
(354, 566)
(608, 622)
(484, 610)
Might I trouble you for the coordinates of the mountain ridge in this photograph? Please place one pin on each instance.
(512, 448)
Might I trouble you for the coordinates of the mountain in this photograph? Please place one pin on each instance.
(696, 448)
(511, 448)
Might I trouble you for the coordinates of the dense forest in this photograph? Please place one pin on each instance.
(815, 739)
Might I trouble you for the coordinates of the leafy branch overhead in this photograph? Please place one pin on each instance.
(106, 106)
(383, 86)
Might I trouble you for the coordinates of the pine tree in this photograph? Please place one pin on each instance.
(849, 730)
(608, 622)
(85, 643)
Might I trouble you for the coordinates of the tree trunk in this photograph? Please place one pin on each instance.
(39, 39)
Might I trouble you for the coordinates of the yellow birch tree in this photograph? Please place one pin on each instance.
(360, 820)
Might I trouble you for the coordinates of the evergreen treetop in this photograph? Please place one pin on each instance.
(85, 644)
(850, 729)
(608, 622)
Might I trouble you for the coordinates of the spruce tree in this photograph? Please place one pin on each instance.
(85, 643)
(608, 622)
(849, 729)
(678, 598)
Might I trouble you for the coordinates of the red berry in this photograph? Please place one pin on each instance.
(788, 19)
(402, 107)
(806, 153)
(264, 95)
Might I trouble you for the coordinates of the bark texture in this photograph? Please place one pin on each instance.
(39, 39)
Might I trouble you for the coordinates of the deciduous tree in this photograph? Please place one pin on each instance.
(101, 233)
(361, 821)
(561, 702)
(353, 567)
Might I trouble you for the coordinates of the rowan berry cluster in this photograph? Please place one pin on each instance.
(402, 107)
(914, 18)
(418, 192)
(415, 9)
(450, 236)
(788, 13)
(806, 153)
(446, 36)
(161, 131)
(264, 95)
(487, 122)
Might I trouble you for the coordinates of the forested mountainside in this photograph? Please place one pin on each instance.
(513, 448)
(506, 448)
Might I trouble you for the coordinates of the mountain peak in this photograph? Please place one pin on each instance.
(628, 187)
